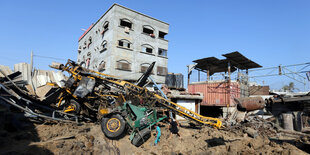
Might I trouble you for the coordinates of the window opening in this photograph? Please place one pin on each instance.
(101, 67)
(162, 71)
(147, 48)
(148, 30)
(124, 43)
(105, 27)
(162, 34)
(103, 46)
(162, 52)
(85, 43)
(89, 41)
(123, 65)
(144, 68)
(80, 50)
(126, 23)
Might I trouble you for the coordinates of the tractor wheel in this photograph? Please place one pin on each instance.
(139, 139)
(114, 126)
(73, 107)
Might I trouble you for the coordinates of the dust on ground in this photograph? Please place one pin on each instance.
(87, 138)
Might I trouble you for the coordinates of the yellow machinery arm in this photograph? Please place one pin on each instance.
(180, 110)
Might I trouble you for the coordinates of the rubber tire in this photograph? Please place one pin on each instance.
(77, 106)
(138, 141)
(119, 132)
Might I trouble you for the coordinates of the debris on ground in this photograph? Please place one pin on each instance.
(87, 138)
(32, 123)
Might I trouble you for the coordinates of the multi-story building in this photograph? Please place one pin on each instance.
(123, 43)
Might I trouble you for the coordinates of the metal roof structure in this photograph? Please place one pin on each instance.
(215, 65)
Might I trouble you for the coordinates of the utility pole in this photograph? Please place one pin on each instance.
(31, 61)
(31, 71)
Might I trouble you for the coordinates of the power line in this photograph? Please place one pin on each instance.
(48, 57)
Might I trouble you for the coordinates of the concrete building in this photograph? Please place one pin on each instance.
(123, 43)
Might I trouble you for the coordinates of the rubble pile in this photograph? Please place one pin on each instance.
(87, 138)
(30, 125)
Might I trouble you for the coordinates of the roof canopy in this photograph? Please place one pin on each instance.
(214, 65)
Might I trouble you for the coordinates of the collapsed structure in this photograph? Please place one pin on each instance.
(93, 96)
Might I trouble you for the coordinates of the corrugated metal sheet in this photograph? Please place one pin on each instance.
(25, 69)
(216, 93)
(259, 90)
(6, 70)
(58, 76)
(41, 77)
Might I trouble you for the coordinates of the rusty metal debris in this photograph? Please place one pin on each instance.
(88, 95)
(250, 103)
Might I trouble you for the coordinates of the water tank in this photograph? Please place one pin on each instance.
(174, 81)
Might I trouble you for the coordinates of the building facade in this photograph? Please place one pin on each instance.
(123, 43)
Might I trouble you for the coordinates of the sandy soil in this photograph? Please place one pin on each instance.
(87, 138)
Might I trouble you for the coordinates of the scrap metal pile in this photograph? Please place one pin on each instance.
(93, 96)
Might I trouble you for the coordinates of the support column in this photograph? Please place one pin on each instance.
(228, 70)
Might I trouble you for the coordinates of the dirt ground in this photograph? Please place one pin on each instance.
(87, 138)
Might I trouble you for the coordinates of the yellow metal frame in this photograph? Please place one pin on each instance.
(70, 108)
(171, 105)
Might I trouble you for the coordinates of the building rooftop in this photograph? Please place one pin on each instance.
(115, 4)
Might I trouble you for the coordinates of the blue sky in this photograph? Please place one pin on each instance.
(268, 32)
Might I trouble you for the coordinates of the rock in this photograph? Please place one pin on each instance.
(278, 149)
(91, 138)
(251, 132)
(89, 145)
(60, 145)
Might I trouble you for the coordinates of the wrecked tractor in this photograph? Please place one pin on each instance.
(104, 98)
(137, 120)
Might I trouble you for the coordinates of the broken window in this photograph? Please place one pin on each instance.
(162, 71)
(147, 48)
(126, 23)
(161, 35)
(162, 52)
(148, 30)
(123, 65)
(103, 46)
(124, 43)
(101, 66)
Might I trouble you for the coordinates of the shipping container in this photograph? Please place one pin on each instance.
(216, 93)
